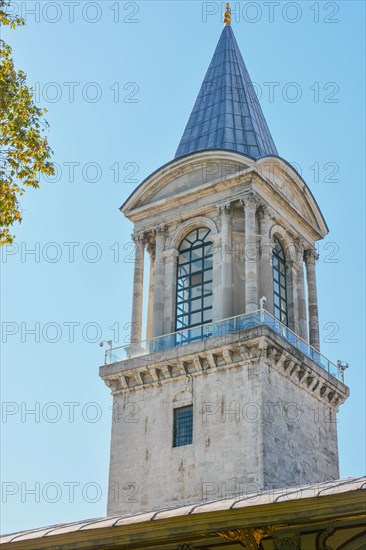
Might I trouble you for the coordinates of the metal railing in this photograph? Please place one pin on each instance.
(220, 329)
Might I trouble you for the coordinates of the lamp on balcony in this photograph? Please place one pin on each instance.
(343, 365)
(262, 301)
(110, 343)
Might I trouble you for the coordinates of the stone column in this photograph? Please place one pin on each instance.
(217, 306)
(158, 314)
(303, 324)
(292, 296)
(150, 246)
(251, 253)
(311, 257)
(170, 290)
(138, 284)
(226, 260)
(266, 217)
(302, 316)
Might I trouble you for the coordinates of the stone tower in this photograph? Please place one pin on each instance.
(227, 393)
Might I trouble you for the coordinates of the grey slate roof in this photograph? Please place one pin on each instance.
(227, 113)
(256, 499)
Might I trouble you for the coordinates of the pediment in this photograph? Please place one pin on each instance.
(292, 190)
(186, 175)
(196, 175)
(187, 181)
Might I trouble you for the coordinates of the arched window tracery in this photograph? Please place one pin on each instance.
(194, 281)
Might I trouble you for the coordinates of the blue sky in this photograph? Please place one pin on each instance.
(119, 80)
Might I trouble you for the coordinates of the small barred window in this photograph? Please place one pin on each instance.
(183, 426)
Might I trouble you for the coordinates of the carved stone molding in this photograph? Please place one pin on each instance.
(250, 537)
(310, 380)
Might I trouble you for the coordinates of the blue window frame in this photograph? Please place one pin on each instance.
(183, 426)
(194, 284)
(279, 283)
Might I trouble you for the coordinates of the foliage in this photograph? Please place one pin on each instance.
(24, 150)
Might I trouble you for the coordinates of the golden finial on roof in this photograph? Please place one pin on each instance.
(227, 16)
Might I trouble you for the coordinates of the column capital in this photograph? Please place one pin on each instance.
(224, 207)
(160, 230)
(311, 255)
(300, 243)
(250, 200)
(150, 243)
(151, 248)
(139, 238)
(266, 213)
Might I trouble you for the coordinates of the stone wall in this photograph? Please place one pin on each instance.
(256, 425)
(300, 434)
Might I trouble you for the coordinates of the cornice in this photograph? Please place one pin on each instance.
(236, 350)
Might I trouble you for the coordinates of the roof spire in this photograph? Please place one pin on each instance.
(227, 114)
(227, 16)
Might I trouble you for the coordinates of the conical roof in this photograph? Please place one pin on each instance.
(227, 113)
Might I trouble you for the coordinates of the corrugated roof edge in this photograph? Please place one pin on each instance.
(272, 496)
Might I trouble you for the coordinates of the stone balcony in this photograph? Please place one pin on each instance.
(244, 340)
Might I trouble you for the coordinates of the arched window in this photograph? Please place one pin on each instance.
(194, 282)
(279, 283)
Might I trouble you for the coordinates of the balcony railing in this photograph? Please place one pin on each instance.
(220, 329)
